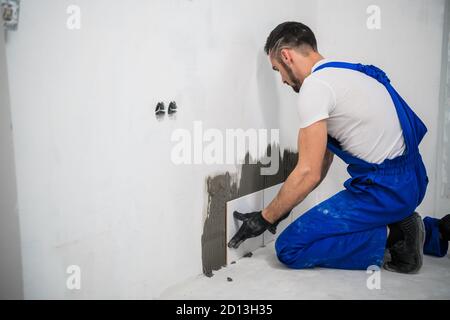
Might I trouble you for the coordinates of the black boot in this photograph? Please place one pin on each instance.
(407, 254)
(395, 235)
(444, 227)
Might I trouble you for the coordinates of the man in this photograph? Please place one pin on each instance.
(352, 111)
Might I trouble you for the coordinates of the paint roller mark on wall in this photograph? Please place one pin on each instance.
(225, 187)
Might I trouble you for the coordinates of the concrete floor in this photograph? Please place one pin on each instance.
(263, 277)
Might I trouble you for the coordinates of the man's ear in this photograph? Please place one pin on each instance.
(286, 56)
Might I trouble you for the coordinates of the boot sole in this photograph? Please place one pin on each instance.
(419, 249)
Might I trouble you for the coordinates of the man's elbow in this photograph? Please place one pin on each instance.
(309, 176)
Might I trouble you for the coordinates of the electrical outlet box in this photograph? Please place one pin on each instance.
(10, 13)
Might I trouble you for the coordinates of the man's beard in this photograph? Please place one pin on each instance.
(296, 83)
(296, 88)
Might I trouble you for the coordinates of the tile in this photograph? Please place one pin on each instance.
(269, 195)
(246, 204)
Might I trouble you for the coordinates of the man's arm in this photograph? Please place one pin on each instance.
(327, 160)
(312, 166)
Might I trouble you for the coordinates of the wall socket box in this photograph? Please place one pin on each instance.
(10, 13)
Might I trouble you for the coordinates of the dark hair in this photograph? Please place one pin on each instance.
(290, 34)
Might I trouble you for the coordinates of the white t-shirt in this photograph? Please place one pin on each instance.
(360, 112)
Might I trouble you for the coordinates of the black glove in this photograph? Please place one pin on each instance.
(273, 227)
(253, 225)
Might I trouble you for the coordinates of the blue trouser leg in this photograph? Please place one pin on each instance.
(357, 250)
(434, 245)
(337, 233)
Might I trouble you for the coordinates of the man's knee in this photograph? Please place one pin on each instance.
(289, 251)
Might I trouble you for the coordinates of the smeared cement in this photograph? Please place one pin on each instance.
(225, 187)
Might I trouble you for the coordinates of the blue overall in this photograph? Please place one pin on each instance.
(348, 230)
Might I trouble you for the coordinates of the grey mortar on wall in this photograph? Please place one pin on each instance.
(225, 187)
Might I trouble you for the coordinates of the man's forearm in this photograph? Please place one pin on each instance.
(328, 159)
(296, 187)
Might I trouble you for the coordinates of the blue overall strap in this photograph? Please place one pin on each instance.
(335, 147)
(413, 128)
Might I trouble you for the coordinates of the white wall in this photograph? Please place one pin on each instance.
(10, 255)
(443, 155)
(96, 186)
